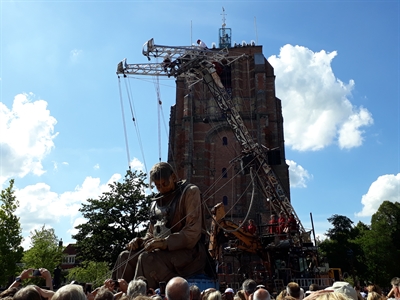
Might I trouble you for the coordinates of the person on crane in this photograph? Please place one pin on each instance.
(291, 223)
(167, 61)
(281, 223)
(202, 44)
(173, 245)
(251, 228)
(273, 225)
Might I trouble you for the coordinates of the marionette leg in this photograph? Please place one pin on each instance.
(125, 266)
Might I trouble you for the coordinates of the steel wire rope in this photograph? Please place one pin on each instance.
(248, 87)
(177, 223)
(248, 211)
(231, 147)
(202, 203)
(123, 122)
(136, 124)
(156, 84)
(251, 182)
(215, 183)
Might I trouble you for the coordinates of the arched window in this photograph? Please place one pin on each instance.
(224, 173)
(225, 200)
(224, 141)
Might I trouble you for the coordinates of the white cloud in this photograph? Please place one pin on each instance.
(39, 205)
(350, 134)
(298, 175)
(96, 166)
(27, 134)
(386, 187)
(137, 165)
(77, 221)
(315, 103)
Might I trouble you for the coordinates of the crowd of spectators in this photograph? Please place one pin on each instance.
(179, 289)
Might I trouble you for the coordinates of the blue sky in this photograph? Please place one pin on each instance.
(61, 130)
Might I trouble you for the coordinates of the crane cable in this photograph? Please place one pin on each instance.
(136, 123)
(123, 122)
(156, 82)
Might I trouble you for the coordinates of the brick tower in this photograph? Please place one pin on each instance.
(202, 146)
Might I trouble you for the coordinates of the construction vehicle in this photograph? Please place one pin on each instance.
(272, 260)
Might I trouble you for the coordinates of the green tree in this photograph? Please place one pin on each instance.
(113, 219)
(89, 271)
(381, 243)
(10, 234)
(45, 251)
(340, 249)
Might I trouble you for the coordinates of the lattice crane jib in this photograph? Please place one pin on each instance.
(195, 63)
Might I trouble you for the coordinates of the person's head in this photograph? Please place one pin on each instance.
(104, 294)
(313, 287)
(136, 287)
(163, 177)
(206, 292)
(395, 281)
(281, 214)
(69, 292)
(214, 295)
(281, 295)
(331, 296)
(177, 289)
(240, 294)
(273, 217)
(27, 293)
(374, 288)
(195, 292)
(374, 296)
(345, 289)
(293, 289)
(8, 292)
(251, 221)
(261, 294)
(249, 287)
(142, 297)
(228, 294)
(198, 41)
(144, 279)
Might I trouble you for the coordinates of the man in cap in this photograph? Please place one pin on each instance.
(341, 287)
(229, 292)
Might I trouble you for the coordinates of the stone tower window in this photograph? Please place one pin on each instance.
(224, 173)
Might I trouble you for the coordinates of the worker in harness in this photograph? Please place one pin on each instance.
(173, 245)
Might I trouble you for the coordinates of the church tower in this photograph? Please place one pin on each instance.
(203, 147)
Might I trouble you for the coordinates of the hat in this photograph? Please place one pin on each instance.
(344, 288)
(260, 286)
(229, 290)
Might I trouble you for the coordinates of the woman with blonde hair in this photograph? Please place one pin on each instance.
(215, 295)
(70, 292)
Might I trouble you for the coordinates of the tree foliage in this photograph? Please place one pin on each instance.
(381, 243)
(45, 251)
(113, 219)
(10, 234)
(369, 253)
(89, 271)
(340, 249)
